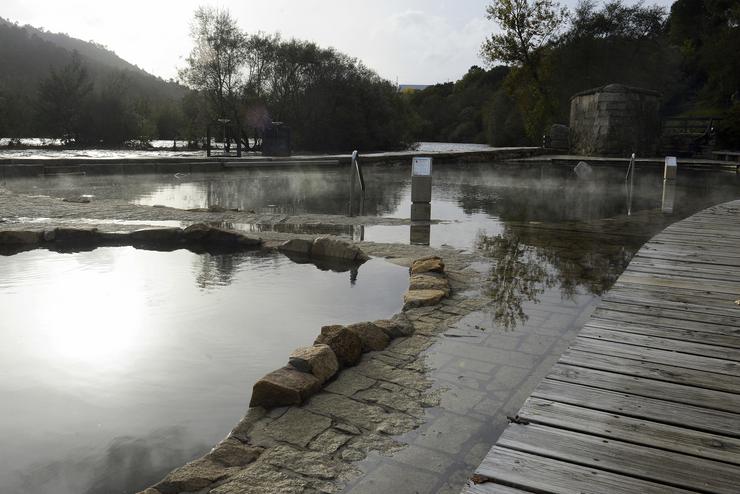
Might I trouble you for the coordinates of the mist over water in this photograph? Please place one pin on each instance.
(468, 199)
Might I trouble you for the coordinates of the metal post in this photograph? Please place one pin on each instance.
(239, 142)
(208, 141)
(352, 179)
(631, 174)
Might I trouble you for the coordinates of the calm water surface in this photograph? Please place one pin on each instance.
(119, 364)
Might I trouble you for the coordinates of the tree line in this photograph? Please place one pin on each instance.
(544, 54)
(541, 56)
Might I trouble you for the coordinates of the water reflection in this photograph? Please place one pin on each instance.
(128, 464)
(215, 270)
(517, 276)
(572, 257)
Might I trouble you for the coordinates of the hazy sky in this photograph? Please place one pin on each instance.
(415, 41)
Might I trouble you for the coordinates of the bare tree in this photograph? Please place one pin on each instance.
(216, 61)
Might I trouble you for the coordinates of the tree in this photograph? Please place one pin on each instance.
(616, 20)
(215, 62)
(528, 26)
(528, 29)
(62, 101)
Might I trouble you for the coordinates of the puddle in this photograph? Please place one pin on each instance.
(117, 365)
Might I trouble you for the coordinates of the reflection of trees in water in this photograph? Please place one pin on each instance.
(517, 276)
(572, 257)
(128, 465)
(218, 269)
(292, 192)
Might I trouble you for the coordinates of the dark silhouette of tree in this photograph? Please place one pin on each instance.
(63, 101)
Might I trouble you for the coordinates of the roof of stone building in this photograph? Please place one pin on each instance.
(617, 88)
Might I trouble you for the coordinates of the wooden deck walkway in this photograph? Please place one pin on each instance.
(647, 399)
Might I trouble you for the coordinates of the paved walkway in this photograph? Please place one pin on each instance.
(647, 398)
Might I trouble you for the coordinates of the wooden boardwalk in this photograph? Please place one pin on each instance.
(647, 398)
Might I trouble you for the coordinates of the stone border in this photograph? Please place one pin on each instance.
(337, 347)
(325, 252)
(199, 237)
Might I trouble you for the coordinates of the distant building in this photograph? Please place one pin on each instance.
(411, 88)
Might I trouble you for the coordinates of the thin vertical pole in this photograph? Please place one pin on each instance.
(208, 141)
(631, 173)
(352, 179)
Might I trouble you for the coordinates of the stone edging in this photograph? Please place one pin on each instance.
(338, 346)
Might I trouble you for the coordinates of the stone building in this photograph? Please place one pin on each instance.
(615, 120)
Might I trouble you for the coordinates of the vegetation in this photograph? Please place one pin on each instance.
(331, 101)
(689, 55)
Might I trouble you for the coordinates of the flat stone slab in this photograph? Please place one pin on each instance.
(422, 298)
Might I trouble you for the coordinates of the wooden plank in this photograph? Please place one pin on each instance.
(638, 386)
(705, 337)
(652, 300)
(696, 362)
(674, 345)
(652, 319)
(678, 282)
(638, 431)
(707, 296)
(491, 488)
(704, 276)
(655, 410)
(660, 466)
(691, 256)
(544, 475)
(709, 302)
(730, 317)
(650, 370)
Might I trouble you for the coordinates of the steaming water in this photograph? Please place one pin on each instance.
(119, 364)
(468, 200)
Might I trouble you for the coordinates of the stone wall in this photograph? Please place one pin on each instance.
(615, 120)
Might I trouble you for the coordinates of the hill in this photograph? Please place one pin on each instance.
(29, 55)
